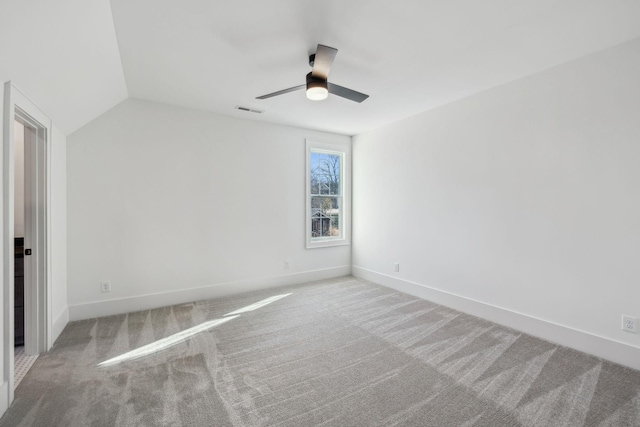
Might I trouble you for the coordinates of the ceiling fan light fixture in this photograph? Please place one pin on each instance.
(316, 88)
(317, 93)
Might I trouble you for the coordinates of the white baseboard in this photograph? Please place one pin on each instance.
(4, 397)
(59, 323)
(604, 348)
(145, 302)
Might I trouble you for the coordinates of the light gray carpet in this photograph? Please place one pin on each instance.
(341, 352)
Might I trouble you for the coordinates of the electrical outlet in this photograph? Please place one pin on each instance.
(287, 264)
(396, 267)
(105, 286)
(629, 324)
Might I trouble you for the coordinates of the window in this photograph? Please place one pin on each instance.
(327, 194)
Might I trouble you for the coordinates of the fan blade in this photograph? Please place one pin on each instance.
(323, 60)
(344, 92)
(281, 92)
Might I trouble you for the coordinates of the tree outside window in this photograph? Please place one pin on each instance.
(325, 179)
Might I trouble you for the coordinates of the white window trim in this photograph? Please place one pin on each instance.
(345, 238)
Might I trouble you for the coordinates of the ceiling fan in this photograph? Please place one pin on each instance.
(318, 88)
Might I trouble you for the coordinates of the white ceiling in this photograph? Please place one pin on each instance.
(64, 55)
(212, 55)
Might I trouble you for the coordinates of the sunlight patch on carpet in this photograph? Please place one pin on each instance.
(165, 343)
(258, 304)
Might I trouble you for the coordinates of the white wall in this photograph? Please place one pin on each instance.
(58, 211)
(518, 203)
(172, 205)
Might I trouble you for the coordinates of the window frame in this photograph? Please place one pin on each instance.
(344, 150)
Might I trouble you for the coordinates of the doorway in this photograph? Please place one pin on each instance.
(25, 163)
(26, 154)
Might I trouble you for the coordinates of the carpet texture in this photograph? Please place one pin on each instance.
(341, 352)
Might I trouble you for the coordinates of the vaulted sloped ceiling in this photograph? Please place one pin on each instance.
(64, 55)
(81, 57)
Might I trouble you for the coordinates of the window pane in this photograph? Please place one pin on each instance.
(325, 173)
(325, 216)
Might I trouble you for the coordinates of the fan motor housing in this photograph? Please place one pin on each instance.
(315, 82)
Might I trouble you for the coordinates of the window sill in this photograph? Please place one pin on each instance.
(326, 243)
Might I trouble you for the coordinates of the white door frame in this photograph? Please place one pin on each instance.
(35, 237)
(38, 302)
